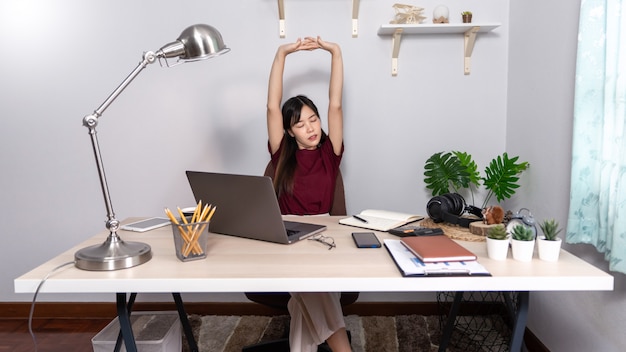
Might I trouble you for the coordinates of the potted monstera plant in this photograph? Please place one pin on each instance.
(447, 172)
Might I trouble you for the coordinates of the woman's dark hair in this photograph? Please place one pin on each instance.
(286, 168)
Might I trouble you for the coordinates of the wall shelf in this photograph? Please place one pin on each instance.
(281, 18)
(469, 31)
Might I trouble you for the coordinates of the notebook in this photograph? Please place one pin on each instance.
(247, 207)
(431, 249)
(410, 265)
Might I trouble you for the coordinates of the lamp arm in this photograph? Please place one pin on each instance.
(91, 122)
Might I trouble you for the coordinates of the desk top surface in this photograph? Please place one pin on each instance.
(241, 265)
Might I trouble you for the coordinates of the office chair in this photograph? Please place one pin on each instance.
(279, 300)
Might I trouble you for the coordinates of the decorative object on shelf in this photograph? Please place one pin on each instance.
(497, 242)
(407, 14)
(549, 245)
(441, 14)
(522, 243)
(466, 16)
(197, 42)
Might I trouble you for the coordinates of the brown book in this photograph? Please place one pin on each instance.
(430, 249)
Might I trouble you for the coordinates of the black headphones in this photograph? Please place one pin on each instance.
(449, 207)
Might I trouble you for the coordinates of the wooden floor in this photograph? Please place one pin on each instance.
(52, 335)
(62, 327)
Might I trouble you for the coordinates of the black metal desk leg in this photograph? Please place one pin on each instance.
(124, 320)
(185, 322)
(447, 331)
(129, 309)
(519, 326)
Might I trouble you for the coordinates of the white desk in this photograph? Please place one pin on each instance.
(241, 265)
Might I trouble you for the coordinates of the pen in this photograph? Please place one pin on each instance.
(359, 218)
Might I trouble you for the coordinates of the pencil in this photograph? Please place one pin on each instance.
(196, 212)
(198, 232)
(208, 219)
(182, 215)
(183, 232)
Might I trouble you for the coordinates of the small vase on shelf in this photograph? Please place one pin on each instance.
(467, 16)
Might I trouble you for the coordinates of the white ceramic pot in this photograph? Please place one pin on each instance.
(497, 249)
(522, 250)
(549, 250)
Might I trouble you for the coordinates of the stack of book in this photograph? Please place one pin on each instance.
(433, 256)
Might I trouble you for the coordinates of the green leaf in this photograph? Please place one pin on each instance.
(470, 166)
(445, 171)
(501, 176)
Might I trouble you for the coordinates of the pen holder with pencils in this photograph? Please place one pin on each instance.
(191, 240)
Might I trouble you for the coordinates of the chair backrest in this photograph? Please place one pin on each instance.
(339, 198)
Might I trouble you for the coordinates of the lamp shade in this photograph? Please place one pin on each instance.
(197, 42)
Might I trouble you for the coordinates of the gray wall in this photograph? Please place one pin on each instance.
(62, 58)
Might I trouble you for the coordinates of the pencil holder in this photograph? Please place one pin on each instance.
(191, 240)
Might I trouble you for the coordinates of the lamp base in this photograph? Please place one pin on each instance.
(113, 254)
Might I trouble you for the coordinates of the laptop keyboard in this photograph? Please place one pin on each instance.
(291, 233)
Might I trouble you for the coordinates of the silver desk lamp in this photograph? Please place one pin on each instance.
(197, 42)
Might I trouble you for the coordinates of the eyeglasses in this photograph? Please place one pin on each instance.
(329, 241)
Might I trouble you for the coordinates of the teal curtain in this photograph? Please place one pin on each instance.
(597, 213)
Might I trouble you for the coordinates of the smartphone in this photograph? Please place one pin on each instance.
(146, 225)
(365, 240)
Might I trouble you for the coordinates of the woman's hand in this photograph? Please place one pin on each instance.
(307, 43)
(328, 46)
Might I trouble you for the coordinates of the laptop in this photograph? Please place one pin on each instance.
(247, 207)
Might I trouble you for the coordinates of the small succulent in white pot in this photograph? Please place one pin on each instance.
(550, 229)
(549, 245)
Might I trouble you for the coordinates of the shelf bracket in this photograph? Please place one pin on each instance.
(281, 18)
(355, 18)
(397, 36)
(469, 39)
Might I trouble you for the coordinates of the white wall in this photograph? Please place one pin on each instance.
(62, 58)
(542, 64)
(67, 56)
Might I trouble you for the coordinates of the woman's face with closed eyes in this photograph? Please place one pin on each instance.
(308, 130)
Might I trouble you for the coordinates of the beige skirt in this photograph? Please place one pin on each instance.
(315, 316)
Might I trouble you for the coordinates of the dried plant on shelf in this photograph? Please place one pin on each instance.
(407, 14)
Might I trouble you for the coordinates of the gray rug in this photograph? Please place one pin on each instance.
(368, 333)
